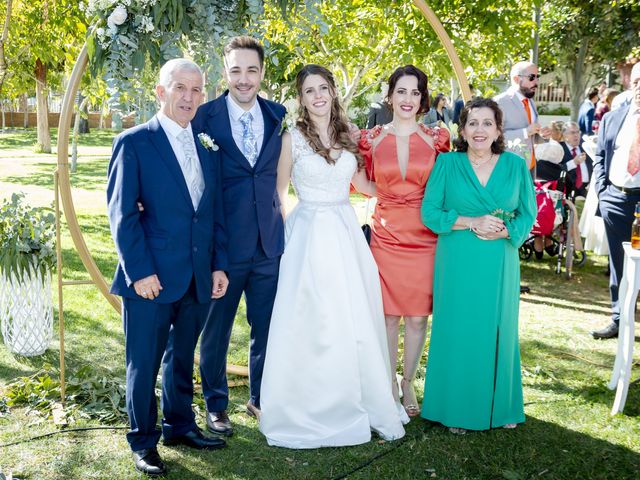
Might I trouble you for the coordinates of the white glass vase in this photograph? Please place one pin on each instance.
(26, 311)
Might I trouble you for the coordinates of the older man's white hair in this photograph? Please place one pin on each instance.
(176, 65)
(518, 68)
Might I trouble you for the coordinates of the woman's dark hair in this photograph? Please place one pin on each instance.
(436, 100)
(339, 132)
(423, 85)
(498, 145)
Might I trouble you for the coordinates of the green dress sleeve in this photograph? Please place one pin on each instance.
(520, 225)
(434, 215)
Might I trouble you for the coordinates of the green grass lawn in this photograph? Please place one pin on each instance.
(569, 433)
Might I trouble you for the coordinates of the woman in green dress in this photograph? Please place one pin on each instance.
(480, 201)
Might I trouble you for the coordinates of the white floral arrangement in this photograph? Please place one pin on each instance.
(128, 34)
(27, 237)
(207, 142)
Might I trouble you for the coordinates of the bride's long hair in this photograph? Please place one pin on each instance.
(339, 131)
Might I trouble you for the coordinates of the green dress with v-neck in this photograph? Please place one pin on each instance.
(473, 378)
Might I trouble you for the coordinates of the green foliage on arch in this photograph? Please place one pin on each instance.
(129, 34)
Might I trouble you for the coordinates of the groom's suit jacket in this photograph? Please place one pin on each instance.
(169, 238)
(251, 203)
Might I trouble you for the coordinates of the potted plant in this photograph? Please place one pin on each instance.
(27, 257)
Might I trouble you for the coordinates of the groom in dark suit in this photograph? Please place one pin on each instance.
(247, 128)
(617, 174)
(171, 260)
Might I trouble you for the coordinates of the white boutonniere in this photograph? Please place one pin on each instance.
(288, 122)
(207, 142)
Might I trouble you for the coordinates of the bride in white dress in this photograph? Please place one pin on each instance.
(326, 378)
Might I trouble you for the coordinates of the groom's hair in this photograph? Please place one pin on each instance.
(245, 42)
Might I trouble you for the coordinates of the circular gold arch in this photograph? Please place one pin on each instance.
(64, 128)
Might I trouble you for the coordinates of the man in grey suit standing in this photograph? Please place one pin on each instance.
(520, 114)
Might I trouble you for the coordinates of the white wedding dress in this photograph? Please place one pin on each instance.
(327, 380)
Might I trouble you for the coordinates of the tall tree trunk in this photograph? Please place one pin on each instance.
(103, 114)
(76, 134)
(3, 41)
(536, 33)
(579, 77)
(25, 110)
(43, 144)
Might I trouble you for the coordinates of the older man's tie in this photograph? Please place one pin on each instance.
(574, 154)
(191, 168)
(633, 164)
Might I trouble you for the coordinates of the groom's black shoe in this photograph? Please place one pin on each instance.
(196, 439)
(148, 461)
(218, 422)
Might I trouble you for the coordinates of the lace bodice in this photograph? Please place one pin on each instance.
(314, 179)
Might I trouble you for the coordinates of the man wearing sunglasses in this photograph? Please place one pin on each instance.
(520, 114)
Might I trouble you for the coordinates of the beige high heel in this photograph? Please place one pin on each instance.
(409, 401)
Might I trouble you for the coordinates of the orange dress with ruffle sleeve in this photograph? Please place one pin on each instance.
(402, 246)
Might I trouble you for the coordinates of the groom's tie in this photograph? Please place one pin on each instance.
(249, 147)
(191, 169)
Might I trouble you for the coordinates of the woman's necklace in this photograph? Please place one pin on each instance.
(479, 161)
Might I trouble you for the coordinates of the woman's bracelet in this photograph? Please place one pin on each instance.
(471, 226)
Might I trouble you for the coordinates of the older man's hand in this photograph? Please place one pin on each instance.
(148, 287)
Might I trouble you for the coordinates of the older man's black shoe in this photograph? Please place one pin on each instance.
(219, 423)
(196, 439)
(148, 461)
(610, 331)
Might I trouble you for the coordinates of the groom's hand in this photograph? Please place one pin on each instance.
(220, 284)
(148, 287)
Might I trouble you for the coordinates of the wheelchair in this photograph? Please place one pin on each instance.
(556, 220)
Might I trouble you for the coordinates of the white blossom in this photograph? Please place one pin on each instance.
(118, 16)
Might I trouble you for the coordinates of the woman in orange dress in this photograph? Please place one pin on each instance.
(400, 156)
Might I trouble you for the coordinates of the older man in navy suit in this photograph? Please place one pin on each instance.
(171, 260)
(617, 175)
(248, 129)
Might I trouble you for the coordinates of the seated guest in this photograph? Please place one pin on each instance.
(556, 130)
(549, 156)
(587, 112)
(578, 164)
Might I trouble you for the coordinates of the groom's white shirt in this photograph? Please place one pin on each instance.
(235, 112)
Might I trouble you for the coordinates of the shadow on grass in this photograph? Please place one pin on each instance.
(571, 374)
(536, 449)
(91, 175)
(561, 304)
